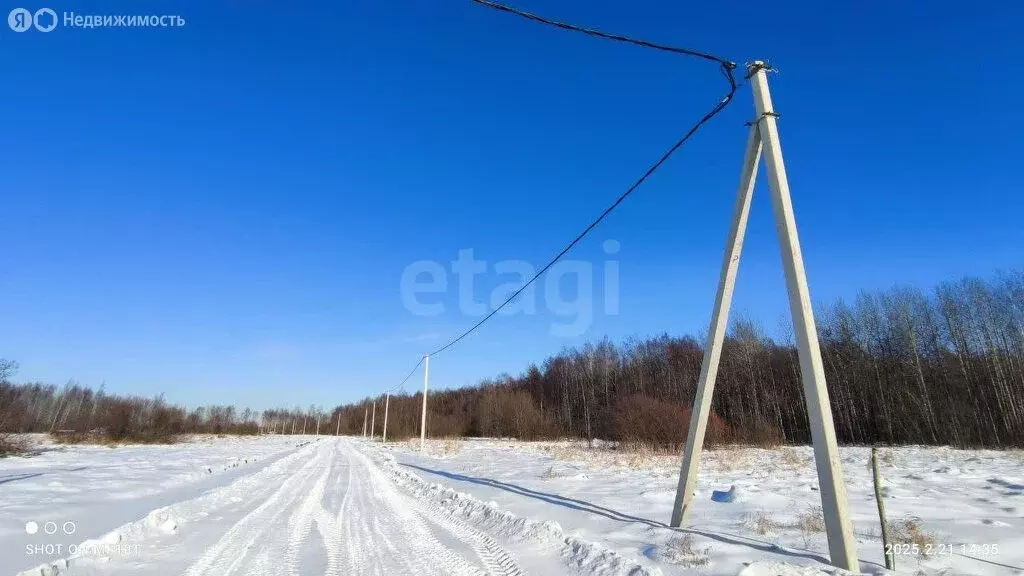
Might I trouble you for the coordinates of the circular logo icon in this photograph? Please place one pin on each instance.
(31, 527)
(50, 527)
(70, 527)
(20, 19)
(45, 19)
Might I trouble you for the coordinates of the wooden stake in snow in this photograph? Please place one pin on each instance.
(337, 429)
(365, 414)
(373, 421)
(890, 558)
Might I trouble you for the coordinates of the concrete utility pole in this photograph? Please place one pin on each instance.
(365, 413)
(387, 401)
(423, 418)
(373, 421)
(764, 132)
(337, 429)
(716, 334)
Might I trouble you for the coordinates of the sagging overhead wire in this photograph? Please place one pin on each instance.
(406, 379)
(606, 35)
(725, 66)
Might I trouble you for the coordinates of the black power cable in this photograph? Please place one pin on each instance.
(406, 379)
(725, 66)
(606, 35)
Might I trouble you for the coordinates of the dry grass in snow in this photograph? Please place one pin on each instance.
(14, 445)
(762, 522)
(436, 447)
(680, 550)
(910, 531)
(811, 521)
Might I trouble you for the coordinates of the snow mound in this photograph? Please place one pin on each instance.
(581, 555)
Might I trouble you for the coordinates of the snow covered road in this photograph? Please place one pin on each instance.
(300, 506)
(337, 514)
(325, 509)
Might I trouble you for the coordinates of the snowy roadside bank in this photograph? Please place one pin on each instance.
(79, 492)
(960, 501)
(533, 536)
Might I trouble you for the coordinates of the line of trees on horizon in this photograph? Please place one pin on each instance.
(903, 367)
(77, 413)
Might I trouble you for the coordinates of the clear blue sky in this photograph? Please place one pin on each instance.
(222, 212)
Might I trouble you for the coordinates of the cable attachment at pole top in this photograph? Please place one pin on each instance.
(756, 66)
(761, 117)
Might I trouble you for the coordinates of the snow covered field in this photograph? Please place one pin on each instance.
(97, 489)
(967, 506)
(302, 505)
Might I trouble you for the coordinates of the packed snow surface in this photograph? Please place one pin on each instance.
(965, 509)
(309, 506)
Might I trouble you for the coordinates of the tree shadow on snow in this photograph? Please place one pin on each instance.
(26, 475)
(16, 477)
(584, 506)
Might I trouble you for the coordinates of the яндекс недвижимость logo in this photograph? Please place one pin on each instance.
(21, 19)
(46, 20)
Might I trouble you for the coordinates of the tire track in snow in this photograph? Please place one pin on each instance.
(263, 526)
(228, 553)
(577, 555)
(414, 521)
(301, 522)
(329, 526)
(497, 561)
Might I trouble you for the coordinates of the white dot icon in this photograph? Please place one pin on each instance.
(31, 527)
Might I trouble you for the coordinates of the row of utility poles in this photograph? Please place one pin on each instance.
(387, 403)
(370, 415)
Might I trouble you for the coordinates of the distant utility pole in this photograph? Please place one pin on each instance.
(337, 430)
(304, 417)
(387, 401)
(318, 424)
(764, 132)
(373, 421)
(365, 412)
(423, 418)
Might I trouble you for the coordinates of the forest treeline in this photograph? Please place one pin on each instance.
(78, 413)
(903, 367)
